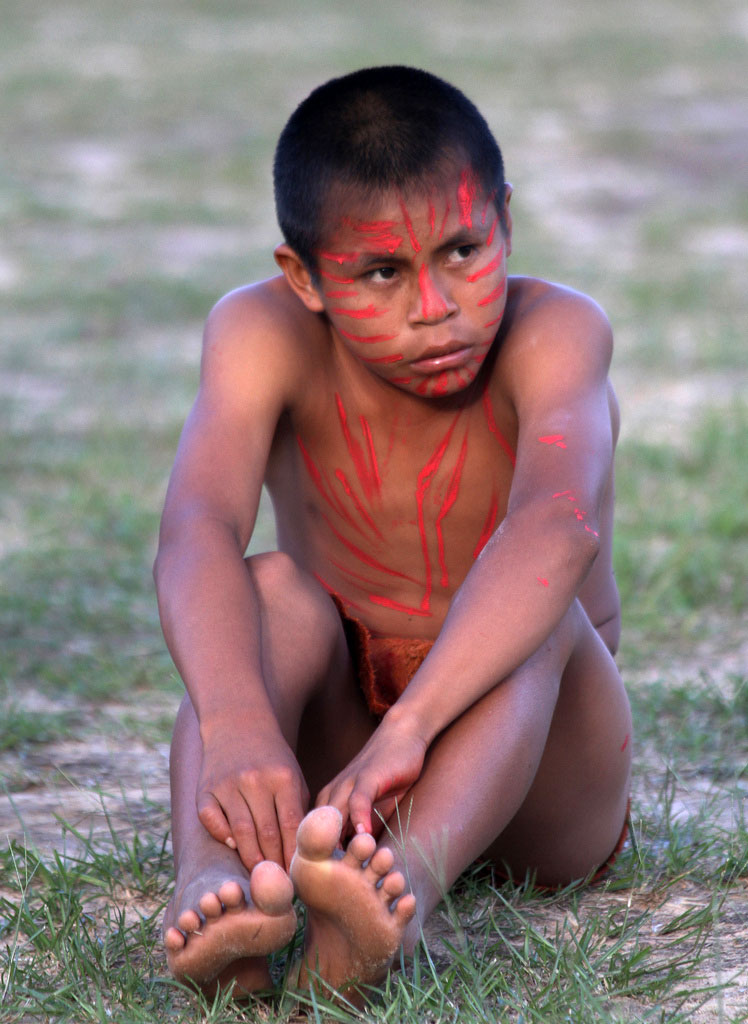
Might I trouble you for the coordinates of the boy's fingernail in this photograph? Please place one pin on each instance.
(231, 843)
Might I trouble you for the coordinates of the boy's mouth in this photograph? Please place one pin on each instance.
(447, 357)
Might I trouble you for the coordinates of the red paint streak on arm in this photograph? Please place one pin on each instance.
(466, 196)
(368, 312)
(488, 526)
(489, 267)
(554, 439)
(450, 498)
(494, 295)
(625, 743)
(433, 305)
(409, 228)
(564, 494)
(423, 482)
(493, 427)
(542, 581)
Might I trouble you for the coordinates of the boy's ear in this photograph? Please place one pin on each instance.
(508, 189)
(299, 277)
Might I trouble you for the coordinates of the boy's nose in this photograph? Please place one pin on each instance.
(433, 303)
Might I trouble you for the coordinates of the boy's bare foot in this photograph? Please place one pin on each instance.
(227, 927)
(353, 930)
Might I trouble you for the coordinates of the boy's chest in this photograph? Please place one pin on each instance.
(428, 486)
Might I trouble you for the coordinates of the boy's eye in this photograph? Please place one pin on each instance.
(462, 252)
(381, 274)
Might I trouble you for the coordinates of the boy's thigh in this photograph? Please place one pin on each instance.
(308, 667)
(575, 811)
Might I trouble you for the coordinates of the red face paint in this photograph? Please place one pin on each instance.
(489, 267)
(494, 295)
(377, 232)
(367, 339)
(444, 220)
(492, 232)
(334, 277)
(433, 306)
(409, 228)
(341, 295)
(340, 257)
(466, 196)
(367, 313)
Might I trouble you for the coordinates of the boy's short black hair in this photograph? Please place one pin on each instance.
(373, 130)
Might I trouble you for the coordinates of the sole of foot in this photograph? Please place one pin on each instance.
(227, 936)
(357, 906)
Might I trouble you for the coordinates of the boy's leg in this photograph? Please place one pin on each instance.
(538, 783)
(219, 920)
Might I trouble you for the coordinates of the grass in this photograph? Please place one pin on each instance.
(134, 191)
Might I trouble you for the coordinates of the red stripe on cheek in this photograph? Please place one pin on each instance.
(494, 295)
(368, 313)
(370, 339)
(489, 267)
(341, 295)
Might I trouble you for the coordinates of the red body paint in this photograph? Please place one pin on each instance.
(378, 232)
(450, 498)
(340, 257)
(395, 606)
(492, 232)
(334, 277)
(424, 481)
(367, 471)
(494, 295)
(357, 503)
(366, 339)
(625, 743)
(444, 220)
(341, 295)
(554, 439)
(466, 196)
(542, 581)
(409, 228)
(367, 313)
(433, 306)
(492, 426)
(488, 526)
(489, 267)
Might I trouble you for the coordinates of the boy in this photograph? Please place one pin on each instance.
(427, 658)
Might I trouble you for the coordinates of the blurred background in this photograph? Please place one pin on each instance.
(135, 189)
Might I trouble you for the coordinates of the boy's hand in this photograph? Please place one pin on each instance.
(386, 767)
(252, 796)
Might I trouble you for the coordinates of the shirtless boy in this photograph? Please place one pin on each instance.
(437, 439)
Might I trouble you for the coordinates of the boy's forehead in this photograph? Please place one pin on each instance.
(351, 208)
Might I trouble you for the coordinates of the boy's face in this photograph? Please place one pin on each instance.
(415, 285)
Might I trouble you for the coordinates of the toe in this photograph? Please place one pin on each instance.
(271, 888)
(380, 863)
(189, 921)
(174, 940)
(319, 832)
(393, 885)
(405, 908)
(232, 896)
(210, 905)
(360, 849)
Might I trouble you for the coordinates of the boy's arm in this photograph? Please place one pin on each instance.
(529, 573)
(251, 789)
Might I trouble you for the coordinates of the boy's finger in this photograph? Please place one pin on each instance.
(360, 806)
(289, 813)
(213, 819)
(266, 828)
